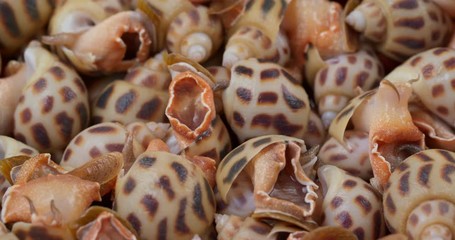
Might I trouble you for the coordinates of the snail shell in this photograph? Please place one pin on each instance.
(250, 180)
(316, 133)
(53, 105)
(263, 98)
(234, 227)
(195, 34)
(355, 159)
(418, 198)
(351, 203)
(29, 231)
(21, 21)
(163, 195)
(10, 147)
(339, 81)
(402, 28)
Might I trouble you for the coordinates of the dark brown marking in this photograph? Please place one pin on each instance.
(416, 60)
(149, 109)
(349, 184)
(323, 77)
(261, 142)
(402, 167)
(39, 133)
(48, 104)
(424, 174)
(260, 229)
(440, 51)
(67, 94)
(162, 229)
(8, 20)
(94, 152)
(135, 222)
(125, 101)
(39, 85)
(180, 224)
(390, 204)
(443, 208)
(262, 120)
(209, 191)
(165, 184)
(447, 156)
(269, 74)
(344, 113)
(104, 97)
(338, 157)
(437, 90)
(406, 4)
(242, 70)
(450, 63)
(344, 219)
(182, 172)
(102, 129)
(267, 98)
(65, 124)
(414, 23)
(433, 16)
(377, 222)
(422, 156)
(435, 35)
(26, 151)
(289, 76)
(238, 119)
(129, 186)
(114, 147)
(198, 207)
(352, 59)
(368, 64)
(284, 127)
(447, 170)
(410, 42)
(452, 83)
(340, 75)
(58, 72)
(427, 209)
(82, 112)
(364, 204)
(413, 219)
(336, 202)
(147, 162)
(292, 101)
(361, 78)
(244, 94)
(193, 14)
(150, 204)
(80, 85)
(360, 233)
(235, 169)
(404, 184)
(427, 71)
(26, 115)
(67, 154)
(232, 154)
(442, 110)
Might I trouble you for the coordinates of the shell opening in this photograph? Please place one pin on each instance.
(133, 43)
(188, 107)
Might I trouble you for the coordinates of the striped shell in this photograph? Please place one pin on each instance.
(252, 162)
(419, 195)
(339, 81)
(164, 196)
(263, 98)
(402, 28)
(195, 34)
(351, 203)
(21, 21)
(433, 72)
(53, 106)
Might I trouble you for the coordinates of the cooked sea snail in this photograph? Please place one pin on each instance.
(418, 196)
(400, 28)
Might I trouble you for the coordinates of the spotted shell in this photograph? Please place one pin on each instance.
(23, 230)
(433, 74)
(354, 160)
(234, 227)
(316, 133)
(421, 180)
(402, 27)
(53, 106)
(93, 142)
(248, 162)
(195, 34)
(263, 98)
(165, 196)
(125, 102)
(10, 147)
(339, 81)
(351, 203)
(21, 21)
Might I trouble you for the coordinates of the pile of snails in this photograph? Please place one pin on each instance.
(227, 119)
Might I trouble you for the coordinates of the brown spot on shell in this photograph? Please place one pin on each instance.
(165, 184)
(149, 109)
(390, 205)
(235, 169)
(147, 162)
(244, 94)
(340, 75)
(269, 74)
(427, 71)
(39, 85)
(344, 219)
(150, 204)
(267, 98)
(289, 77)
(323, 77)
(180, 224)
(261, 120)
(104, 97)
(261, 142)
(336, 202)
(450, 63)
(413, 219)
(232, 154)
(242, 70)
(447, 156)
(162, 229)
(284, 127)
(414, 22)
(67, 155)
(416, 60)
(102, 130)
(114, 147)
(135, 222)
(197, 206)
(48, 104)
(67, 94)
(364, 204)
(26, 115)
(349, 184)
(8, 20)
(406, 4)
(129, 186)
(82, 112)
(58, 72)
(193, 14)
(360, 233)
(338, 157)
(443, 208)
(125, 101)
(433, 16)
(442, 110)
(291, 100)
(80, 85)
(368, 64)
(361, 78)
(423, 175)
(352, 59)
(440, 51)
(446, 171)
(40, 135)
(435, 35)
(410, 42)
(404, 184)
(437, 90)
(427, 209)
(65, 124)
(182, 172)
(238, 119)
(94, 152)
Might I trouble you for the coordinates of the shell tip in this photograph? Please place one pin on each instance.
(356, 20)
